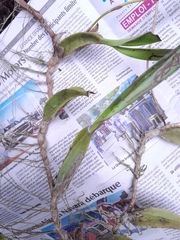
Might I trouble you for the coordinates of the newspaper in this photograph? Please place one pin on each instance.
(102, 183)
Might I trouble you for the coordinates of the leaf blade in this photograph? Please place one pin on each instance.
(60, 99)
(143, 84)
(74, 158)
(114, 237)
(81, 39)
(157, 218)
(171, 135)
(143, 39)
(78, 40)
(143, 54)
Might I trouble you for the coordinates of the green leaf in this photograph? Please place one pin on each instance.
(143, 54)
(78, 40)
(74, 158)
(60, 99)
(143, 84)
(156, 218)
(2, 237)
(144, 39)
(114, 237)
(171, 135)
(81, 39)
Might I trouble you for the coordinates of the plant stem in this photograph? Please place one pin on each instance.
(112, 10)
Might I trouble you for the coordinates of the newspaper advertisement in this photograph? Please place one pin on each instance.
(102, 187)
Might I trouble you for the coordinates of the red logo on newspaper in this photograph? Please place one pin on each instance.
(137, 13)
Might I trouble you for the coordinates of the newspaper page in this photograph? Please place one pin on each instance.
(101, 184)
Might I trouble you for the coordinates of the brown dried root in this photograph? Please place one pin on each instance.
(58, 51)
(54, 60)
(138, 169)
